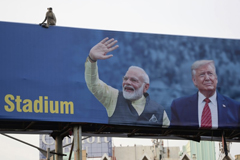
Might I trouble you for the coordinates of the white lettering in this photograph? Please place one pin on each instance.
(106, 140)
(93, 139)
(98, 140)
(45, 142)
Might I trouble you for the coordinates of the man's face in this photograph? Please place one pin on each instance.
(133, 84)
(205, 78)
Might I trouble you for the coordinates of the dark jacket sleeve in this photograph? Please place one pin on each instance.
(175, 121)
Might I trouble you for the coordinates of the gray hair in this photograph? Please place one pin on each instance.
(143, 73)
(199, 63)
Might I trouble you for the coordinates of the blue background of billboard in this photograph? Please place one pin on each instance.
(35, 62)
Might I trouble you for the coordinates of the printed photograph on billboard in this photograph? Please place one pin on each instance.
(121, 78)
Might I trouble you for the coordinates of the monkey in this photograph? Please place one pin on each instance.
(50, 18)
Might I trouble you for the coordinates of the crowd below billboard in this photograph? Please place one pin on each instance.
(136, 79)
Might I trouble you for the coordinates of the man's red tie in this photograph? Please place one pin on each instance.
(206, 121)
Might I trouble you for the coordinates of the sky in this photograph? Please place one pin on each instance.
(203, 18)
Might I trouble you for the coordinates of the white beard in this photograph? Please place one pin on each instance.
(136, 93)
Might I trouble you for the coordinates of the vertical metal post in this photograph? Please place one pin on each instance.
(48, 154)
(58, 147)
(70, 154)
(77, 137)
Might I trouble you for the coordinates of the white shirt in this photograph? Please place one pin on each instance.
(213, 108)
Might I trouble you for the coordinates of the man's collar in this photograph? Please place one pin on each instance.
(140, 100)
(213, 98)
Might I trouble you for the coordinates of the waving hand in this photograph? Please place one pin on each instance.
(100, 50)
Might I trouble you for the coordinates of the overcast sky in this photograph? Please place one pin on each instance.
(208, 18)
(205, 18)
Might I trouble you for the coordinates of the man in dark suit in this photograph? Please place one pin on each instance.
(207, 108)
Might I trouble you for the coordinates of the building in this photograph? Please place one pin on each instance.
(138, 152)
(200, 150)
(222, 155)
(84, 156)
(93, 147)
(100, 148)
(237, 157)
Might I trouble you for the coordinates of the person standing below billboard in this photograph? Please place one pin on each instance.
(50, 18)
(132, 105)
(206, 109)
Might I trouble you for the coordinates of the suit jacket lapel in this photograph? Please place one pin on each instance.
(193, 110)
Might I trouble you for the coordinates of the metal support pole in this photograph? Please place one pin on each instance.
(70, 154)
(59, 147)
(48, 154)
(77, 137)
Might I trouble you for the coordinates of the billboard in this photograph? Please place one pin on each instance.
(51, 75)
(95, 147)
